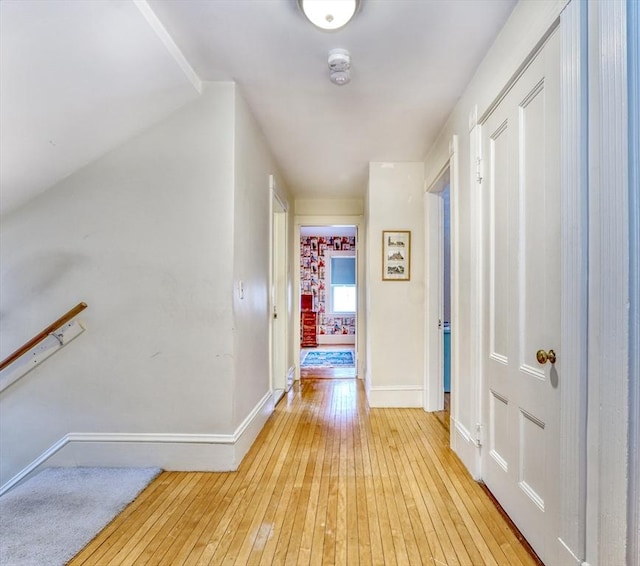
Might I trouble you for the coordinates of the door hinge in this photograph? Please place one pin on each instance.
(479, 170)
(478, 439)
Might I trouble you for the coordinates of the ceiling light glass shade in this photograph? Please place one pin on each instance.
(329, 14)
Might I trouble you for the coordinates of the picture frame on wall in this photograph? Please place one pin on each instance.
(396, 255)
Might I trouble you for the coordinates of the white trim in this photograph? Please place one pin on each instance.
(272, 299)
(462, 431)
(395, 396)
(434, 384)
(465, 446)
(473, 462)
(144, 437)
(442, 179)
(291, 376)
(35, 464)
(454, 274)
(608, 327)
(341, 339)
(245, 435)
(519, 71)
(573, 294)
(169, 44)
(633, 35)
(115, 448)
(274, 191)
(566, 556)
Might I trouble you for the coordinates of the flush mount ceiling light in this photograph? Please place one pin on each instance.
(329, 14)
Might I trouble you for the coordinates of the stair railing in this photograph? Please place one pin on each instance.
(48, 331)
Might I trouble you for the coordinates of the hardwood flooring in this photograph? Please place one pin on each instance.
(444, 415)
(327, 373)
(328, 481)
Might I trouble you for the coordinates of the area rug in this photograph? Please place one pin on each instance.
(48, 519)
(328, 359)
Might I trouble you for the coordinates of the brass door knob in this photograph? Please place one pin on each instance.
(544, 357)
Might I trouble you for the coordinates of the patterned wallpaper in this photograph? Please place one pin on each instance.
(312, 280)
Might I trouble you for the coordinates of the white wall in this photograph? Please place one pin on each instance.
(144, 235)
(79, 79)
(395, 309)
(253, 165)
(329, 207)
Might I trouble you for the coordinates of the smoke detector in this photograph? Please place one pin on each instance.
(339, 66)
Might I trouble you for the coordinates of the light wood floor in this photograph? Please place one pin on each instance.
(329, 481)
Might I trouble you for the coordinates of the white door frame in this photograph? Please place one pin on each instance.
(574, 291)
(633, 552)
(347, 220)
(610, 459)
(433, 379)
(278, 304)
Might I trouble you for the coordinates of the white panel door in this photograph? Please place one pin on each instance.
(434, 388)
(279, 307)
(521, 304)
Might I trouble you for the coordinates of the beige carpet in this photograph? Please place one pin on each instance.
(48, 519)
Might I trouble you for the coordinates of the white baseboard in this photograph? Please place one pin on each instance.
(174, 452)
(291, 377)
(395, 396)
(346, 339)
(246, 434)
(464, 445)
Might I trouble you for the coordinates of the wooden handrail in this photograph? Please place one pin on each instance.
(42, 335)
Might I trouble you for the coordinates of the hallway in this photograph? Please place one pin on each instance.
(329, 481)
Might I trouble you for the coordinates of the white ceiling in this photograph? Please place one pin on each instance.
(80, 76)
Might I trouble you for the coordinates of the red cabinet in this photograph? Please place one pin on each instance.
(308, 321)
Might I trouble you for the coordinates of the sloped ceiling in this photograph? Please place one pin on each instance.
(78, 77)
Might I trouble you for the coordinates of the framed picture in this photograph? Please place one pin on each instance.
(396, 255)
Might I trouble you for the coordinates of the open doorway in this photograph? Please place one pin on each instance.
(446, 299)
(438, 316)
(328, 301)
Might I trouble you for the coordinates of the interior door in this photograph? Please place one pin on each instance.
(279, 307)
(521, 301)
(434, 398)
